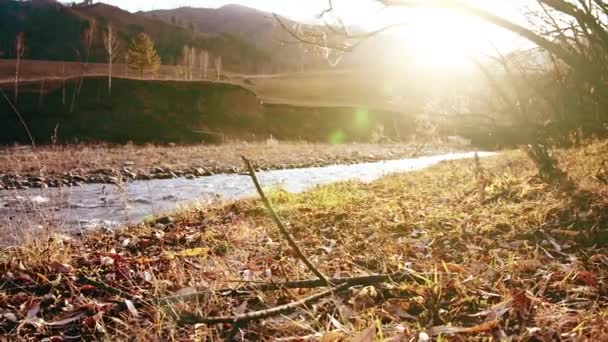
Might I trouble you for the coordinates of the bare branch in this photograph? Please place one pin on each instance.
(257, 315)
(281, 226)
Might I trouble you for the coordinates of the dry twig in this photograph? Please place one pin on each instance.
(261, 314)
(282, 228)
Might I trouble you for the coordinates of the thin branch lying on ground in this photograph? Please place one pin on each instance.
(297, 284)
(282, 228)
(344, 283)
(261, 314)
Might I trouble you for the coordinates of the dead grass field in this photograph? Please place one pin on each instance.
(374, 88)
(327, 88)
(35, 70)
(486, 251)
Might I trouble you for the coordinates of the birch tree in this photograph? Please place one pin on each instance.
(204, 63)
(192, 62)
(218, 66)
(186, 55)
(110, 42)
(19, 49)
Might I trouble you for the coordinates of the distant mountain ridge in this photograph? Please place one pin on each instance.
(257, 28)
(53, 32)
(249, 40)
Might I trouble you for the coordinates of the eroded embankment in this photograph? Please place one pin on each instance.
(181, 112)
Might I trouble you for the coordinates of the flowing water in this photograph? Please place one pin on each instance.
(97, 205)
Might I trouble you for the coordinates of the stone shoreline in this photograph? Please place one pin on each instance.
(77, 177)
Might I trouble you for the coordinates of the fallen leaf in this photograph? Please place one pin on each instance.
(331, 336)
(192, 252)
(338, 325)
(131, 308)
(66, 321)
(586, 278)
(443, 329)
(367, 335)
(565, 232)
(521, 303)
(62, 268)
(496, 311)
(454, 268)
(423, 337)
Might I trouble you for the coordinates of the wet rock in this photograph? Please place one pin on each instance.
(144, 176)
(112, 180)
(164, 220)
(190, 176)
(78, 178)
(164, 176)
(128, 173)
(199, 171)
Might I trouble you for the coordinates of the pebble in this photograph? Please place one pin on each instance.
(164, 220)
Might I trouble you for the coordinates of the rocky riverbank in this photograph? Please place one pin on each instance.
(76, 165)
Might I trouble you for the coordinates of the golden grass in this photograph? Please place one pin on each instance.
(378, 88)
(500, 254)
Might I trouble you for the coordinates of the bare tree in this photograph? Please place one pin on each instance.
(19, 50)
(218, 66)
(127, 63)
(204, 59)
(192, 62)
(63, 83)
(186, 54)
(87, 37)
(579, 39)
(110, 42)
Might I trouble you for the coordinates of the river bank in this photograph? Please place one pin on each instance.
(96, 206)
(486, 250)
(73, 165)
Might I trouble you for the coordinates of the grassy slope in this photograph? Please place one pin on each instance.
(499, 251)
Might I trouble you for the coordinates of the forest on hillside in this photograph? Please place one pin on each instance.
(55, 32)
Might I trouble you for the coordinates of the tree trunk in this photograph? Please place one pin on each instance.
(63, 84)
(17, 77)
(110, 77)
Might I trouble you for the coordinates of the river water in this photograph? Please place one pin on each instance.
(91, 206)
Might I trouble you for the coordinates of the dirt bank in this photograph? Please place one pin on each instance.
(180, 112)
(78, 164)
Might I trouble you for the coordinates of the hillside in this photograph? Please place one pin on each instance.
(257, 28)
(53, 32)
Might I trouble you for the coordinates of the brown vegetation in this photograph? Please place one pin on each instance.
(77, 164)
(486, 250)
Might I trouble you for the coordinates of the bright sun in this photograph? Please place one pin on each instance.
(441, 39)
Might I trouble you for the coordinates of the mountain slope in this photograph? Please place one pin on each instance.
(257, 28)
(53, 31)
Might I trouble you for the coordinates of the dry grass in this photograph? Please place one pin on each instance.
(377, 88)
(498, 255)
(36, 70)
